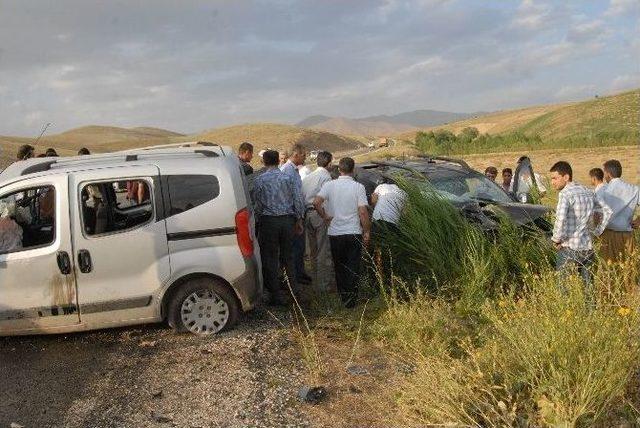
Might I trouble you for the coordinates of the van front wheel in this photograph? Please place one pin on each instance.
(202, 306)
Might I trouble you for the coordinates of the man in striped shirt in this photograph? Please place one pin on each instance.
(572, 232)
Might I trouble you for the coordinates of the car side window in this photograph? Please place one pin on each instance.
(115, 206)
(189, 191)
(27, 219)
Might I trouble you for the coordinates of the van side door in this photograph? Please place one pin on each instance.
(37, 280)
(120, 243)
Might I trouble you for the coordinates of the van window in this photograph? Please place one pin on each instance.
(27, 219)
(115, 206)
(189, 191)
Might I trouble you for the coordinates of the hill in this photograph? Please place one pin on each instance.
(277, 136)
(342, 125)
(421, 118)
(109, 138)
(615, 116)
(382, 125)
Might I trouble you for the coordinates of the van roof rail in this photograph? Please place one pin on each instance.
(183, 144)
(126, 156)
(432, 158)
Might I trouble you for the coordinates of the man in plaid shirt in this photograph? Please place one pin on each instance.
(573, 231)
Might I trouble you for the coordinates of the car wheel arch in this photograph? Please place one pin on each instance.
(175, 286)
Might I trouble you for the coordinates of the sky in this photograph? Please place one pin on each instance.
(194, 65)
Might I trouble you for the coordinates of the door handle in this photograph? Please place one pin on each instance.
(84, 261)
(64, 262)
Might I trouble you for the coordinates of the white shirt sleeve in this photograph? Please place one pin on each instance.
(362, 197)
(324, 191)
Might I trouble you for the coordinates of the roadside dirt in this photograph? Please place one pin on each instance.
(149, 377)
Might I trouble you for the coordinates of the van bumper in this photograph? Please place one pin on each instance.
(248, 286)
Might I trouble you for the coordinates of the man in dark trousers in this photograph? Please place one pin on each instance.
(349, 227)
(279, 209)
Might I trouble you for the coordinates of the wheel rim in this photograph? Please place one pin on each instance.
(204, 312)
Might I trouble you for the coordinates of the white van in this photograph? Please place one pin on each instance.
(161, 233)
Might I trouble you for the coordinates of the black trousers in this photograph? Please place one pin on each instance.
(346, 251)
(275, 235)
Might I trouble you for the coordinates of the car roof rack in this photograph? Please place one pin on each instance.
(32, 166)
(182, 144)
(432, 158)
(400, 165)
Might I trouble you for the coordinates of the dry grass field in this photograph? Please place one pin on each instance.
(582, 160)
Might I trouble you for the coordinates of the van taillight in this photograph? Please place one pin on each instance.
(243, 233)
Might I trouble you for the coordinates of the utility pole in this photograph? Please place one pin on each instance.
(42, 131)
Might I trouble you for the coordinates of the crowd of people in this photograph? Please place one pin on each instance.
(604, 213)
(328, 215)
(325, 214)
(27, 151)
(324, 210)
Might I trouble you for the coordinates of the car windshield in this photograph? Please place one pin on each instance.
(462, 186)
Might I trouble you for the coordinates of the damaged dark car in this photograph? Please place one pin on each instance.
(480, 200)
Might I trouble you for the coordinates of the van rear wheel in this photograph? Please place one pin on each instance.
(203, 306)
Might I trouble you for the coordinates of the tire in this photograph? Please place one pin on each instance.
(202, 306)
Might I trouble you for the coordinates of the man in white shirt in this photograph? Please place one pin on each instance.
(315, 226)
(388, 200)
(622, 198)
(303, 170)
(349, 227)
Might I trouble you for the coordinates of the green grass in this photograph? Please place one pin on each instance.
(489, 334)
(602, 122)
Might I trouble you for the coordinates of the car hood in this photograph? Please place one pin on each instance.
(521, 213)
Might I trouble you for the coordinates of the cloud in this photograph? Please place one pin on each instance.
(193, 65)
(625, 81)
(587, 31)
(623, 7)
(575, 91)
(531, 15)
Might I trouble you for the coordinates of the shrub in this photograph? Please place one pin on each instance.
(543, 359)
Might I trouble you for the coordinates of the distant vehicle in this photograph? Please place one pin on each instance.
(383, 142)
(313, 154)
(371, 144)
(478, 198)
(180, 247)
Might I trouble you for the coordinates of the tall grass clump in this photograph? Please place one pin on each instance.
(545, 359)
(437, 249)
(430, 239)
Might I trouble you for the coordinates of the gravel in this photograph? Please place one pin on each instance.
(151, 377)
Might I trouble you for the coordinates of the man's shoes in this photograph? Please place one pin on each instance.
(304, 279)
(278, 301)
